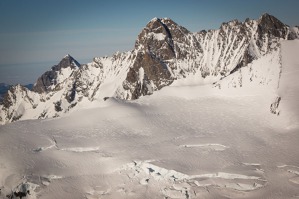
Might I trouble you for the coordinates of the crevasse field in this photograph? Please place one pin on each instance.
(181, 142)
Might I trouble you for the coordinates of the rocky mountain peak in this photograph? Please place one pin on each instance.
(268, 24)
(154, 44)
(156, 23)
(267, 16)
(161, 29)
(159, 38)
(67, 61)
(56, 75)
(155, 30)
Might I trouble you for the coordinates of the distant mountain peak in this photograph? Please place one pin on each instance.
(266, 15)
(67, 61)
(156, 22)
(67, 55)
(49, 78)
(160, 30)
(268, 24)
(154, 19)
(267, 18)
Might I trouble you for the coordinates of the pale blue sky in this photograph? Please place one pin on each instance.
(34, 33)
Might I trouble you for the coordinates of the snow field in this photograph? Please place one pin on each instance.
(158, 146)
(181, 142)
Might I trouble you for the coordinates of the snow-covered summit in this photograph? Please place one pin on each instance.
(67, 55)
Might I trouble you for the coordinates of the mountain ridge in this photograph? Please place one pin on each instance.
(164, 52)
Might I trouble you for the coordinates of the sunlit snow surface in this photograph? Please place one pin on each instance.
(180, 142)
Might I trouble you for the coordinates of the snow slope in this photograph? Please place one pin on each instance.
(181, 142)
(288, 87)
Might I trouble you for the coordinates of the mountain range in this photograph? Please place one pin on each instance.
(238, 54)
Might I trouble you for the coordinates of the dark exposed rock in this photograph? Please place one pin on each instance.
(151, 39)
(47, 79)
(247, 58)
(57, 106)
(70, 96)
(155, 71)
(270, 28)
(268, 24)
(42, 115)
(274, 106)
(157, 44)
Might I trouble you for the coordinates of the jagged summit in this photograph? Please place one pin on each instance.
(270, 22)
(56, 75)
(156, 23)
(67, 61)
(154, 19)
(266, 16)
(158, 19)
(160, 32)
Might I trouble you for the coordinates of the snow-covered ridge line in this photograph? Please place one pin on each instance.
(238, 54)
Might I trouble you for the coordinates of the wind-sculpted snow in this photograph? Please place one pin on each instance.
(288, 86)
(183, 185)
(187, 144)
(293, 172)
(211, 146)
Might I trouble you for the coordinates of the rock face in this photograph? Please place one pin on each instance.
(164, 52)
(274, 106)
(159, 46)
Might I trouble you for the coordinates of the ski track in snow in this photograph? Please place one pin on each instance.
(215, 147)
(71, 149)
